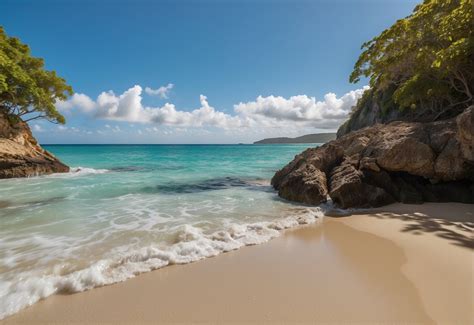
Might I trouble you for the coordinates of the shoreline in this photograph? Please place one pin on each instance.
(400, 263)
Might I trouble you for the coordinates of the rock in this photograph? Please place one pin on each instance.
(380, 108)
(460, 191)
(369, 164)
(347, 189)
(408, 155)
(304, 179)
(357, 145)
(21, 155)
(331, 155)
(307, 184)
(465, 134)
(408, 190)
(381, 179)
(408, 162)
(448, 166)
(440, 135)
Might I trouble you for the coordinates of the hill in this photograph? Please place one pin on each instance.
(308, 138)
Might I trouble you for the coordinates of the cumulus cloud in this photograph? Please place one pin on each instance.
(37, 128)
(84, 102)
(125, 107)
(206, 115)
(271, 111)
(301, 109)
(162, 92)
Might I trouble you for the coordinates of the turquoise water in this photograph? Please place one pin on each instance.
(128, 209)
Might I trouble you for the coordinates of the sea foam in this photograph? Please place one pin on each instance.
(74, 172)
(81, 171)
(191, 245)
(153, 206)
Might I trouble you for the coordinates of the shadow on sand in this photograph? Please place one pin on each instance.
(450, 221)
(458, 232)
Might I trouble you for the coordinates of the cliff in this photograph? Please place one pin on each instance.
(20, 153)
(379, 108)
(308, 138)
(408, 162)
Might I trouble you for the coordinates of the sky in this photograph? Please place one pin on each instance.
(199, 71)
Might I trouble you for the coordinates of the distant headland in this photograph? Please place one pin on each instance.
(308, 138)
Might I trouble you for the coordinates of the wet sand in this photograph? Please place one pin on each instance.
(402, 263)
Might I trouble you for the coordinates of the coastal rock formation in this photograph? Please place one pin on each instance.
(380, 109)
(408, 162)
(20, 153)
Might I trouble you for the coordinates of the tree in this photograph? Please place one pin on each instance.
(425, 60)
(27, 90)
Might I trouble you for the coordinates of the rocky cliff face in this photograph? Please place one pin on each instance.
(379, 108)
(368, 116)
(407, 162)
(21, 155)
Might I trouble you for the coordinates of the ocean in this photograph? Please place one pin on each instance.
(128, 209)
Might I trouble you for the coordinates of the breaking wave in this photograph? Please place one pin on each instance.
(190, 244)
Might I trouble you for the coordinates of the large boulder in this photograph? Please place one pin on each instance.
(304, 179)
(306, 184)
(402, 161)
(464, 135)
(20, 153)
(348, 188)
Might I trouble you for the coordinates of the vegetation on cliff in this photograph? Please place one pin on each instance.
(421, 68)
(27, 90)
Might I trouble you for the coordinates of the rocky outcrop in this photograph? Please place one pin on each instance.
(308, 181)
(369, 115)
(21, 155)
(379, 108)
(465, 122)
(401, 161)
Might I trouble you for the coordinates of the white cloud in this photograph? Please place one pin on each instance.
(37, 128)
(277, 111)
(115, 128)
(163, 91)
(126, 107)
(77, 100)
(266, 112)
(206, 115)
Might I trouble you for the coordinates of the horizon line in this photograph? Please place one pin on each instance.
(164, 144)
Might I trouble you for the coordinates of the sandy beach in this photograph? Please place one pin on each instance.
(401, 263)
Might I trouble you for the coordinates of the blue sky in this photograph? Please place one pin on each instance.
(248, 69)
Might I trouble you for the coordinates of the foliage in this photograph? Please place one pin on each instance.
(424, 61)
(27, 90)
